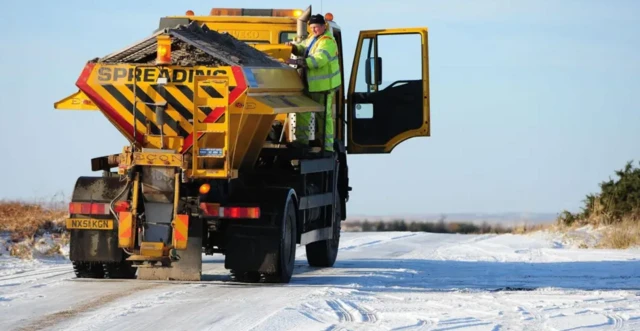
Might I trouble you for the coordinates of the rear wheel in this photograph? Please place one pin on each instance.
(287, 249)
(88, 269)
(324, 253)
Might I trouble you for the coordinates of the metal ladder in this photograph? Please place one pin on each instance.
(211, 160)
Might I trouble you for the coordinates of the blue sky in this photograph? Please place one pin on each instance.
(533, 102)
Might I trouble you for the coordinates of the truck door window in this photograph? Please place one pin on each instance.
(287, 36)
(404, 49)
(368, 47)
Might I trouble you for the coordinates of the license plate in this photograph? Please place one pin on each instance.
(89, 224)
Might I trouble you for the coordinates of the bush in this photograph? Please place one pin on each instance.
(617, 200)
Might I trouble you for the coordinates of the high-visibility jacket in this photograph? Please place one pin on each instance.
(323, 66)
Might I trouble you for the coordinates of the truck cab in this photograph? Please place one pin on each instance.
(373, 115)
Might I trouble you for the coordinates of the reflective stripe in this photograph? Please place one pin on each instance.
(324, 76)
(314, 62)
(330, 58)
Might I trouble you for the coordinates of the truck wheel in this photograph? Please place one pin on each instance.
(88, 269)
(287, 250)
(324, 253)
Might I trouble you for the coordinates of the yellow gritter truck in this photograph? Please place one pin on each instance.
(209, 106)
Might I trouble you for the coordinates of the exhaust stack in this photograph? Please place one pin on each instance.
(302, 24)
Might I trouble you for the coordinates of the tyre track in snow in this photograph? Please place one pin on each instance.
(367, 315)
(343, 314)
(394, 281)
(34, 273)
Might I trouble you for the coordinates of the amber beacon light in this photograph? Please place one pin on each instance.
(164, 50)
(205, 188)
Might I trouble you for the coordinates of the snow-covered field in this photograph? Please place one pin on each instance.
(382, 281)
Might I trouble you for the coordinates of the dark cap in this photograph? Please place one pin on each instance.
(317, 19)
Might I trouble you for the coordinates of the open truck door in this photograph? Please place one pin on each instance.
(388, 101)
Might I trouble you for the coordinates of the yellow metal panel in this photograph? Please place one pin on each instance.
(125, 230)
(283, 104)
(89, 224)
(157, 159)
(180, 231)
(277, 51)
(201, 173)
(153, 249)
(274, 80)
(76, 101)
(170, 142)
(250, 29)
(250, 138)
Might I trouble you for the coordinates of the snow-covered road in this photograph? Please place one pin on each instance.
(382, 281)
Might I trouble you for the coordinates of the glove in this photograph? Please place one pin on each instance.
(300, 62)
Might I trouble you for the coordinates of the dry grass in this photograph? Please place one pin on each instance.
(33, 228)
(24, 220)
(530, 228)
(622, 235)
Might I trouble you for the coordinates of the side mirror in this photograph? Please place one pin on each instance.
(377, 70)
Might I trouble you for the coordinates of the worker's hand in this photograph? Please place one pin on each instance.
(300, 62)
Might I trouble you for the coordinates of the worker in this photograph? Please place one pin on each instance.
(318, 56)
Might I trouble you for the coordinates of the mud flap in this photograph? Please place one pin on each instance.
(97, 245)
(94, 246)
(252, 248)
(189, 265)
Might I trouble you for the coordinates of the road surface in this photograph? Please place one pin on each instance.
(382, 281)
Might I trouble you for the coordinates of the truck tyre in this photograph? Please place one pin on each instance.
(324, 253)
(88, 269)
(287, 249)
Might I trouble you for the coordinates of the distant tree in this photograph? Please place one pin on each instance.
(485, 227)
(440, 226)
(399, 225)
(414, 227)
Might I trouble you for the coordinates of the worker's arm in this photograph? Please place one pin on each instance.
(325, 52)
(297, 49)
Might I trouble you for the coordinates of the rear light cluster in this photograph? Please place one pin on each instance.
(215, 210)
(97, 208)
